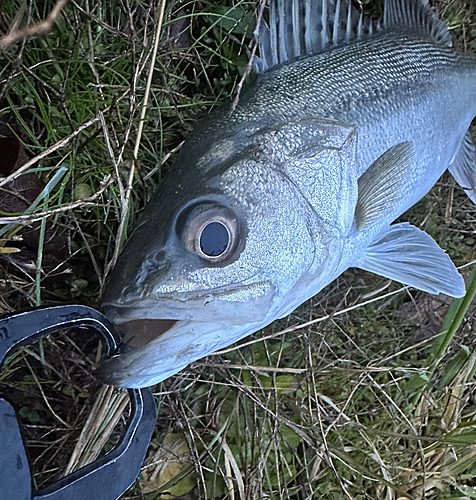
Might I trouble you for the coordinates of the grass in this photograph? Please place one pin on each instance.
(364, 392)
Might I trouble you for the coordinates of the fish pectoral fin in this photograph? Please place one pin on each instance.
(463, 168)
(384, 184)
(406, 254)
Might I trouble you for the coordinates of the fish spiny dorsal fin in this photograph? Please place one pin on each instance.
(416, 14)
(301, 27)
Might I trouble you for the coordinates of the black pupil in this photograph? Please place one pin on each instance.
(214, 239)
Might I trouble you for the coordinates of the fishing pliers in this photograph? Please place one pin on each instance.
(109, 476)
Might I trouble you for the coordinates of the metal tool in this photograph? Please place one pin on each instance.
(108, 477)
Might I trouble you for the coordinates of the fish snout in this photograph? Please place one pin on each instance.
(129, 283)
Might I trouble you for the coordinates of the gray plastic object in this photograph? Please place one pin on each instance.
(108, 477)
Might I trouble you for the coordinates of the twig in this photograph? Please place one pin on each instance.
(44, 396)
(249, 66)
(127, 194)
(60, 144)
(149, 79)
(164, 159)
(41, 28)
(100, 22)
(312, 322)
(83, 202)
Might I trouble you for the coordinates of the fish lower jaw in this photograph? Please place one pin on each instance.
(112, 372)
(126, 368)
(139, 364)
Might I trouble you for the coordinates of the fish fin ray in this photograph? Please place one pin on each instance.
(302, 27)
(419, 15)
(381, 186)
(407, 254)
(268, 51)
(463, 168)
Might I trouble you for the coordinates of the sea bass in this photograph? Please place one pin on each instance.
(348, 125)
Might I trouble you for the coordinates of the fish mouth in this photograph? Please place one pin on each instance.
(162, 335)
(137, 335)
(140, 332)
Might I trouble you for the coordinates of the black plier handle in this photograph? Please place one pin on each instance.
(108, 477)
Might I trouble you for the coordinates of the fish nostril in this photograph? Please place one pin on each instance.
(153, 272)
(154, 267)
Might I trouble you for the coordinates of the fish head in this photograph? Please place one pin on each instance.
(214, 257)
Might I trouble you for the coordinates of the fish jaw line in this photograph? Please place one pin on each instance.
(168, 354)
(234, 303)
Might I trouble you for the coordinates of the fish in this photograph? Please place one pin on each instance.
(348, 124)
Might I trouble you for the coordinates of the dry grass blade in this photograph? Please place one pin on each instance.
(249, 66)
(108, 409)
(16, 34)
(125, 198)
(231, 461)
(315, 321)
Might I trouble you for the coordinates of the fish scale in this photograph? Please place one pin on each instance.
(348, 124)
(366, 69)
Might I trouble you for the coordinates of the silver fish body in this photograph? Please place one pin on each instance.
(306, 175)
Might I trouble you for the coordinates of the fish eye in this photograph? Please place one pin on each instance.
(210, 230)
(214, 239)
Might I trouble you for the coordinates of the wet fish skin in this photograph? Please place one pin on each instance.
(317, 160)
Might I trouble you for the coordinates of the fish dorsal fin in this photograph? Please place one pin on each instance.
(383, 185)
(416, 14)
(302, 27)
